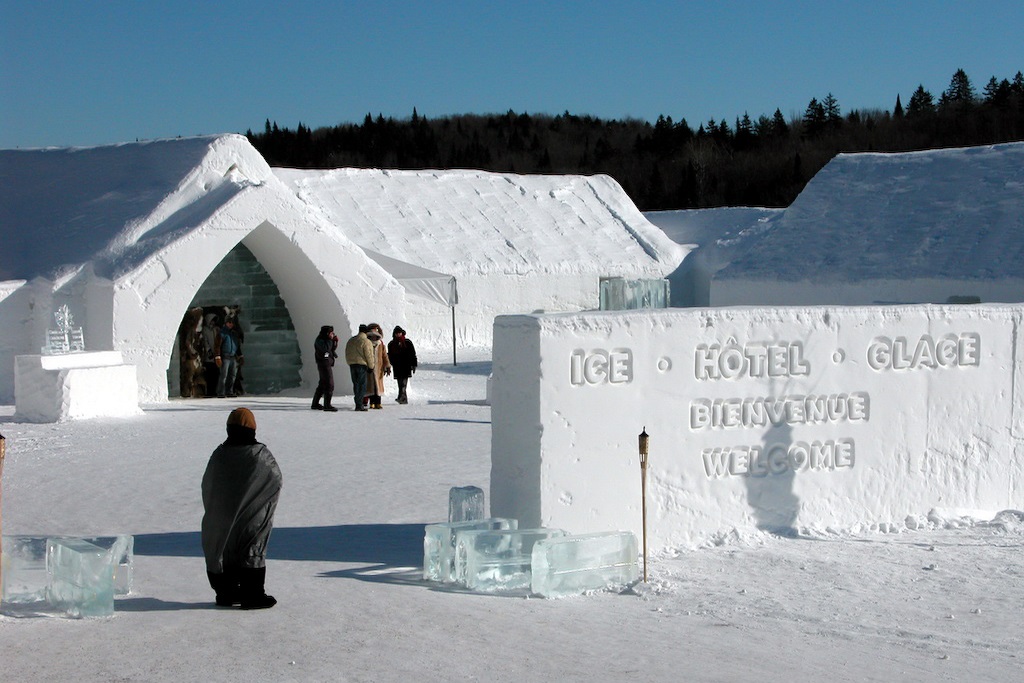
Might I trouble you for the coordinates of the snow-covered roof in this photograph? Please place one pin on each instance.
(947, 214)
(477, 222)
(115, 204)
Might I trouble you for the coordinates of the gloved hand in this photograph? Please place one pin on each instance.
(414, 369)
(387, 371)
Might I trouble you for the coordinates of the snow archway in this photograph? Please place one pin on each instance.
(315, 272)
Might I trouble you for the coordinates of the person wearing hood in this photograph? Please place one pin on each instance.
(325, 349)
(381, 367)
(402, 355)
(240, 490)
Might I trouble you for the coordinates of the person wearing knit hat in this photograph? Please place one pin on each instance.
(403, 361)
(241, 487)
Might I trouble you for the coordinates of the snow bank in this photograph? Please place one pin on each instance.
(759, 418)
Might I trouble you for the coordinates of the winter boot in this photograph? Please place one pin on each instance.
(253, 595)
(327, 404)
(316, 400)
(227, 588)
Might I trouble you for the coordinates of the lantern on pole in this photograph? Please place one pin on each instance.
(3, 449)
(644, 442)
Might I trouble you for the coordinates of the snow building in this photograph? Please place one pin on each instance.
(514, 243)
(713, 238)
(130, 237)
(938, 226)
(135, 237)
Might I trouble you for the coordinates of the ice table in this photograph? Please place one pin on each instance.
(571, 565)
(497, 560)
(466, 503)
(439, 545)
(74, 386)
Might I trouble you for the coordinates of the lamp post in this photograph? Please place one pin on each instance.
(3, 450)
(644, 443)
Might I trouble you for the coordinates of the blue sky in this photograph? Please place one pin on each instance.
(87, 73)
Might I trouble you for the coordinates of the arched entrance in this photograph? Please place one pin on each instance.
(240, 285)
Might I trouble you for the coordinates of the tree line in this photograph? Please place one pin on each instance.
(667, 164)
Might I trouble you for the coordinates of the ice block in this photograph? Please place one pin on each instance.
(81, 577)
(571, 565)
(497, 560)
(24, 571)
(439, 545)
(121, 552)
(466, 503)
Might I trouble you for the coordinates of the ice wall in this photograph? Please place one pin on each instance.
(760, 418)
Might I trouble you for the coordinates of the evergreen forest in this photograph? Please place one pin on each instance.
(666, 164)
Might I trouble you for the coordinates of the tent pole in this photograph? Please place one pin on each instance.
(454, 359)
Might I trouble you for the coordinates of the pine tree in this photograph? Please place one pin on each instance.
(960, 93)
(833, 115)
(921, 103)
(897, 111)
(814, 118)
(779, 126)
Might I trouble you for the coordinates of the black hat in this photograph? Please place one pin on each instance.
(363, 328)
(397, 330)
(326, 329)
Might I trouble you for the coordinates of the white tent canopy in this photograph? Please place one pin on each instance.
(422, 282)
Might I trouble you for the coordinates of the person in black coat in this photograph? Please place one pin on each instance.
(240, 490)
(326, 349)
(403, 361)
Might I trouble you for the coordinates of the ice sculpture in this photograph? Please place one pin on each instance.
(571, 565)
(499, 560)
(66, 338)
(439, 545)
(466, 503)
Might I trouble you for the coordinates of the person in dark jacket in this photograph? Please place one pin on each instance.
(240, 488)
(403, 361)
(228, 350)
(325, 349)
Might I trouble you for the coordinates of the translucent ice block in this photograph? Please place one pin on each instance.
(121, 551)
(81, 577)
(24, 570)
(497, 560)
(439, 545)
(571, 565)
(466, 503)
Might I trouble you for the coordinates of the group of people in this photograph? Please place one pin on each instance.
(369, 361)
(210, 353)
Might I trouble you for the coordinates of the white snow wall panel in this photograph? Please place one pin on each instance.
(759, 418)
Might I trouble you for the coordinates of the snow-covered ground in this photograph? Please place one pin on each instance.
(940, 603)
